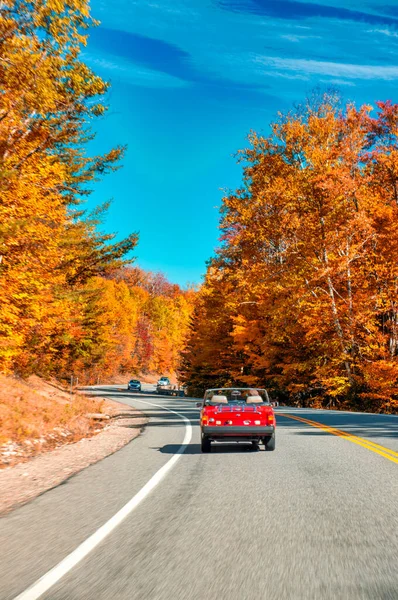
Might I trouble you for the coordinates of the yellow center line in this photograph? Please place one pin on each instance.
(341, 432)
(377, 448)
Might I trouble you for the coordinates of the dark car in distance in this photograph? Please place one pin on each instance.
(134, 385)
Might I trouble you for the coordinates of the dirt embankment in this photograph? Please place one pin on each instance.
(37, 416)
(47, 435)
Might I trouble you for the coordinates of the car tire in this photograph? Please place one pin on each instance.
(269, 443)
(206, 445)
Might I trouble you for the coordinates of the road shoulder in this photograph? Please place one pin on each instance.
(26, 481)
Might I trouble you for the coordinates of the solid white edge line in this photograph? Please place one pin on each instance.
(56, 573)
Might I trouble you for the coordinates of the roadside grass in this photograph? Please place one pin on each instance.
(36, 415)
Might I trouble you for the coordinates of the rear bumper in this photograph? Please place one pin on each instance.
(221, 431)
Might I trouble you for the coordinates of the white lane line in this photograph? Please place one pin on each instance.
(54, 575)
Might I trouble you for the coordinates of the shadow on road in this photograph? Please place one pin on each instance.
(159, 418)
(362, 425)
(215, 448)
(101, 391)
(164, 423)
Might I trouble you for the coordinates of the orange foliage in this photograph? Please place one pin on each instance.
(160, 314)
(68, 307)
(305, 280)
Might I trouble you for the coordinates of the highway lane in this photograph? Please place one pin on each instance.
(316, 519)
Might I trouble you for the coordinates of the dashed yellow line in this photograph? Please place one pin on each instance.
(377, 448)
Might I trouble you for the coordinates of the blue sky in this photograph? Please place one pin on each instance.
(191, 78)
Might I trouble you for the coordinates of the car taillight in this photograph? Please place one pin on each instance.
(204, 419)
(218, 422)
(257, 422)
(271, 419)
(211, 420)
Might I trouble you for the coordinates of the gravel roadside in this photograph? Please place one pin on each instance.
(27, 480)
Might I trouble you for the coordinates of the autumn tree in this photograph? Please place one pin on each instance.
(48, 248)
(306, 260)
(163, 316)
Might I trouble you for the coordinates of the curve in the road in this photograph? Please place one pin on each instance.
(377, 448)
(51, 577)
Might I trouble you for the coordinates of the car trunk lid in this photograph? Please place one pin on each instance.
(242, 414)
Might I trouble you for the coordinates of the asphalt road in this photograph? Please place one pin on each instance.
(316, 519)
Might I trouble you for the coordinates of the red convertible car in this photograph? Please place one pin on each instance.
(237, 415)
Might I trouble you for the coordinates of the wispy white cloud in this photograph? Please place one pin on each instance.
(345, 82)
(387, 32)
(115, 68)
(180, 10)
(147, 16)
(299, 38)
(291, 38)
(286, 75)
(330, 69)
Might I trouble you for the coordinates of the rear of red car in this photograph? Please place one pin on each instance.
(243, 417)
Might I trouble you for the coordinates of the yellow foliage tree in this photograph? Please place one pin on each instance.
(48, 253)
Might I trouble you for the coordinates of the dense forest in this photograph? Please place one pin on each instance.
(301, 295)
(70, 302)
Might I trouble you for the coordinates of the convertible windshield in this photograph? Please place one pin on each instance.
(236, 396)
